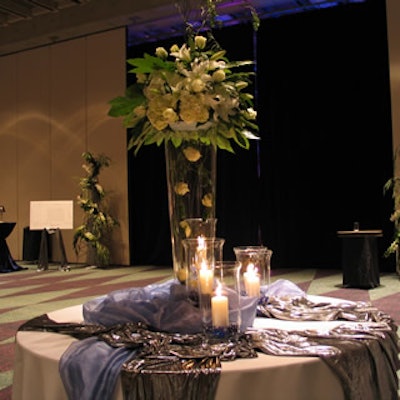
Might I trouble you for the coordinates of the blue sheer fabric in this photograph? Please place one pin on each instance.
(162, 307)
(283, 287)
(90, 368)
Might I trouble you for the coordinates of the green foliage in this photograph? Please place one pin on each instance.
(393, 185)
(98, 223)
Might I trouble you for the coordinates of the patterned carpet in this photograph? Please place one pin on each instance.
(28, 293)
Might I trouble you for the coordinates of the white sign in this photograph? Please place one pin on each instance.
(51, 215)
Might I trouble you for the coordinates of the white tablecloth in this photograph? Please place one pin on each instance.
(37, 356)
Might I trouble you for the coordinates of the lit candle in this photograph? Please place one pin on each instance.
(219, 308)
(206, 278)
(201, 251)
(252, 281)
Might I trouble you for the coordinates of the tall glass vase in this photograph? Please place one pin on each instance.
(191, 183)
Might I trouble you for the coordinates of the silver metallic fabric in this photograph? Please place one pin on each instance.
(364, 355)
(174, 366)
(364, 359)
(300, 308)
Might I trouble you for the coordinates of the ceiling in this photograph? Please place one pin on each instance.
(26, 24)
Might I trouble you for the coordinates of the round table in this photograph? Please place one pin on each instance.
(37, 356)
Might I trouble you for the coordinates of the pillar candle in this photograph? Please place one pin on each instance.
(219, 309)
(252, 281)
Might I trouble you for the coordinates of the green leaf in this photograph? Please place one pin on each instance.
(176, 140)
(223, 143)
(148, 64)
(242, 140)
(388, 185)
(121, 106)
(217, 55)
(236, 64)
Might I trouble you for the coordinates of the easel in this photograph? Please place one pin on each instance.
(43, 263)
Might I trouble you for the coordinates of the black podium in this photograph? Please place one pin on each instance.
(7, 263)
(360, 260)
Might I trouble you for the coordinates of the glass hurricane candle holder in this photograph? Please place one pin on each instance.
(192, 228)
(255, 270)
(201, 253)
(227, 290)
(201, 256)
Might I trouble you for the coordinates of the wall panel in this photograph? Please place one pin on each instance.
(32, 131)
(68, 125)
(106, 135)
(8, 144)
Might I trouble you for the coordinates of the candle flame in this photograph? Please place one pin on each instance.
(201, 245)
(218, 289)
(252, 270)
(201, 252)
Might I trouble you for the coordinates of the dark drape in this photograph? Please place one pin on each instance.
(323, 102)
(327, 120)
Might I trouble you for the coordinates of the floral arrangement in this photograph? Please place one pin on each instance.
(189, 93)
(194, 100)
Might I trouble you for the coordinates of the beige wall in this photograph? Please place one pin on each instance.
(53, 107)
(393, 29)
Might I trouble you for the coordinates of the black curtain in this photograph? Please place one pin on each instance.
(323, 102)
(327, 121)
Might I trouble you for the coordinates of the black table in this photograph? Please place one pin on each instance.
(7, 263)
(360, 260)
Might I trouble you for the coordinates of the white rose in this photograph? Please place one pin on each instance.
(218, 76)
(170, 115)
(181, 188)
(192, 154)
(197, 85)
(207, 200)
(140, 111)
(161, 52)
(200, 42)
